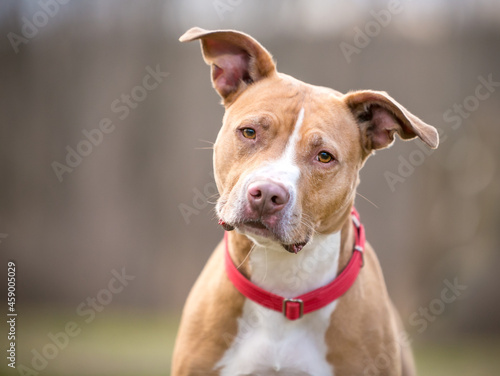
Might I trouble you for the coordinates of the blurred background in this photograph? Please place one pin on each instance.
(107, 192)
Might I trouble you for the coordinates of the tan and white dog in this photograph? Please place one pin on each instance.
(287, 162)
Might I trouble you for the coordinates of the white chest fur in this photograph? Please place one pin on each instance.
(267, 343)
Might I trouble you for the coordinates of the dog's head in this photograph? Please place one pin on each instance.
(288, 154)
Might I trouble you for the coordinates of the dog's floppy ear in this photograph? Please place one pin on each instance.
(236, 59)
(379, 116)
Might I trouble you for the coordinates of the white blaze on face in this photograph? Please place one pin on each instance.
(283, 170)
(289, 154)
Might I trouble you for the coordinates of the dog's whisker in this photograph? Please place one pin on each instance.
(307, 222)
(209, 142)
(360, 195)
(265, 273)
(246, 257)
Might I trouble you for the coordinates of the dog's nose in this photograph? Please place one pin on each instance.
(267, 197)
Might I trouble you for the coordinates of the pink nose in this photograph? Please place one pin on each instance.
(266, 197)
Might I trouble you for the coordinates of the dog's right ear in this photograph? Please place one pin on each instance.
(236, 59)
(380, 117)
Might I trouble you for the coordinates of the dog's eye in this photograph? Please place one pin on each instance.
(249, 133)
(324, 157)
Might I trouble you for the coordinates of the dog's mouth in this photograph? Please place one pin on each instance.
(259, 228)
(258, 225)
(294, 248)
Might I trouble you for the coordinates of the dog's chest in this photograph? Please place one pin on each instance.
(267, 343)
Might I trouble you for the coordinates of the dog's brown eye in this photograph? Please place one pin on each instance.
(249, 133)
(324, 157)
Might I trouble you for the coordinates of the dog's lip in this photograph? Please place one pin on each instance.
(226, 226)
(260, 228)
(256, 227)
(256, 224)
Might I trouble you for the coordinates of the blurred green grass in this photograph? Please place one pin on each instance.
(461, 357)
(129, 343)
(116, 342)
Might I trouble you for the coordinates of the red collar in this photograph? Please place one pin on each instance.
(294, 308)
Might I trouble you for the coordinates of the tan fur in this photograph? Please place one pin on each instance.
(364, 329)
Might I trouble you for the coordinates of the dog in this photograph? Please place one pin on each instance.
(293, 289)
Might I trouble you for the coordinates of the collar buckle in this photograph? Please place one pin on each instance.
(293, 309)
(362, 253)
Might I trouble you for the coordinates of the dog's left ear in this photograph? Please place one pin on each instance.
(379, 116)
(236, 59)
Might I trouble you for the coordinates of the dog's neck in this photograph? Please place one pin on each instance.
(288, 274)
